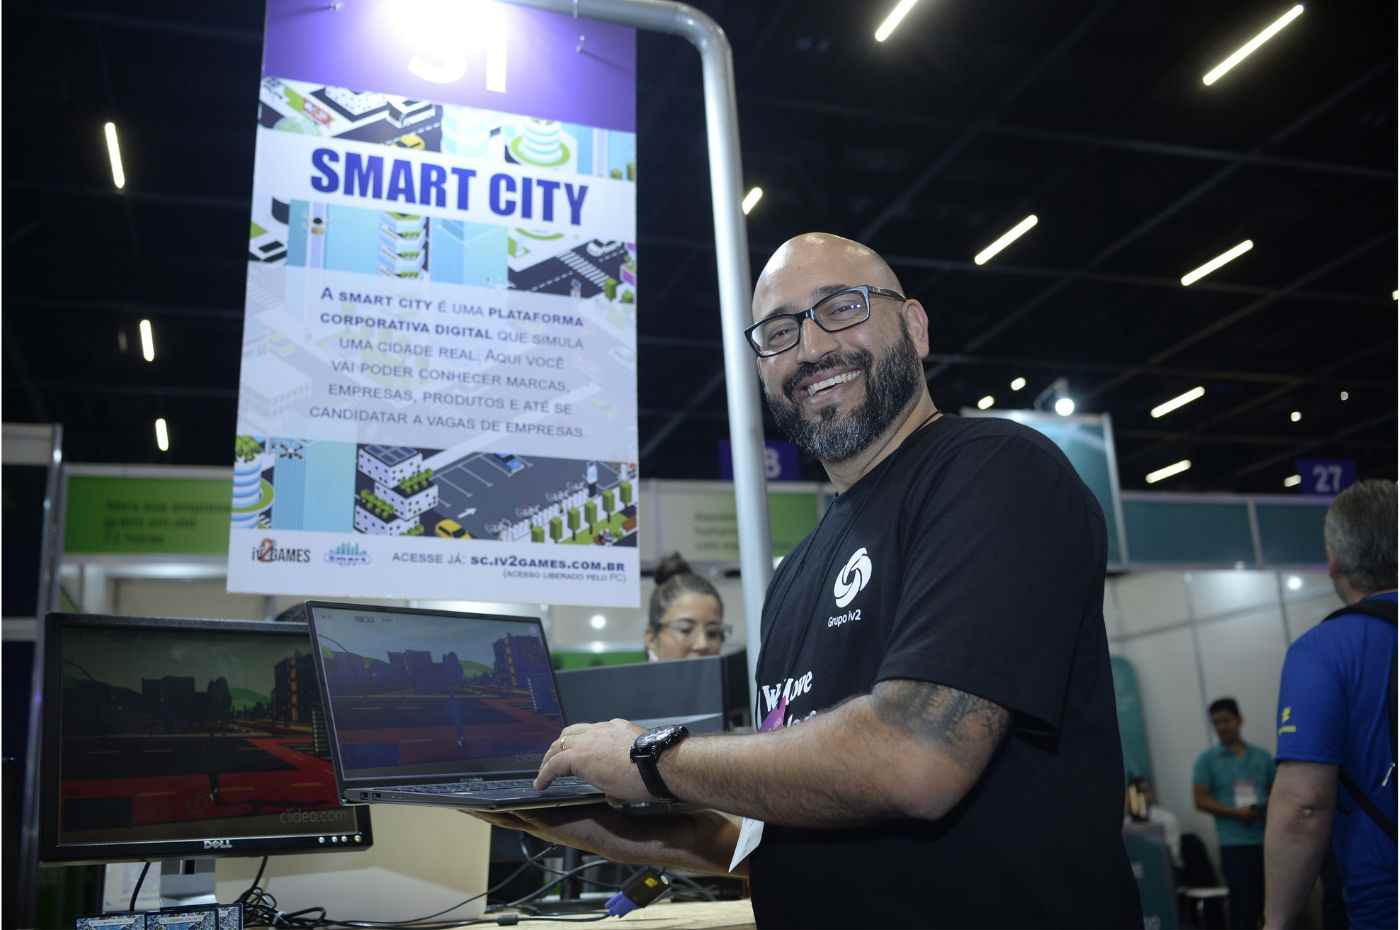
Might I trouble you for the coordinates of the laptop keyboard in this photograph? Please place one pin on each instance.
(571, 784)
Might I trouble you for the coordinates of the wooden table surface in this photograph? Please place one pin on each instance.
(698, 915)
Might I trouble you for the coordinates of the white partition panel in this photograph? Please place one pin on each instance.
(1112, 616)
(1150, 601)
(572, 627)
(1302, 586)
(1242, 657)
(1221, 592)
(178, 597)
(1306, 613)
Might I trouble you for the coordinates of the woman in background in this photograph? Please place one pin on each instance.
(685, 619)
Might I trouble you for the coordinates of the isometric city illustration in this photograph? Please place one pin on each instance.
(421, 248)
(164, 730)
(286, 105)
(384, 490)
(421, 691)
(313, 109)
(488, 495)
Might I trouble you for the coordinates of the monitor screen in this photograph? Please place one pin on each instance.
(708, 694)
(423, 693)
(171, 737)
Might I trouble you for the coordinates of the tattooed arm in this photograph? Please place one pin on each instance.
(907, 749)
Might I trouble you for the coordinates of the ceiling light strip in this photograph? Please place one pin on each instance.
(751, 199)
(148, 341)
(1010, 236)
(114, 154)
(1250, 47)
(891, 23)
(1181, 400)
(1175, 468)
(1224, 258)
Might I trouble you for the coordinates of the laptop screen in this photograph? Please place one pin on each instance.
(414, 694)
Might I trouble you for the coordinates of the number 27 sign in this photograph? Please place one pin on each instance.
(1326, 476)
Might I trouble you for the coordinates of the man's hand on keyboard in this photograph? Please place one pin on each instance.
(599, 753)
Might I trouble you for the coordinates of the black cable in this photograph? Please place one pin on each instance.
(389, 925)
(569, 920)
(587, 881)
(525, 850)
(541, 892)
(256, 878)
(260, 907)
(137, 890)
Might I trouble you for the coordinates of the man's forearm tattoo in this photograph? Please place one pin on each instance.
(967, 727)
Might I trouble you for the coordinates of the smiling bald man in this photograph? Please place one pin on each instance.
(939, 638)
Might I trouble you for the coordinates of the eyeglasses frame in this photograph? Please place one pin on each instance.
(865, 290)
(726, 630)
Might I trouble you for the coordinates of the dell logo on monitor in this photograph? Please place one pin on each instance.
(218, 844)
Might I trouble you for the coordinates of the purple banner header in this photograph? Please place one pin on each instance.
(474, 53)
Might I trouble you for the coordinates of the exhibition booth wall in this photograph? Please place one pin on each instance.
(1194, 614)
(1193, 636)
(154, 540)
(1190, 615)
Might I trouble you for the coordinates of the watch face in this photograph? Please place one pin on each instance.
(655, 737)
(661, 737)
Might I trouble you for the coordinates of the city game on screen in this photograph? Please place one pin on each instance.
(172, 734)
(415, 694)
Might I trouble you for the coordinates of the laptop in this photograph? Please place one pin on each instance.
(437, 707)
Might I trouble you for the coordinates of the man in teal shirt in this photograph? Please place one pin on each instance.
(1232, 783)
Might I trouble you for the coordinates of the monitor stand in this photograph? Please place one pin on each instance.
(184, 882)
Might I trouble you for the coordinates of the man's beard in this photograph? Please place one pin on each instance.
(888, 387)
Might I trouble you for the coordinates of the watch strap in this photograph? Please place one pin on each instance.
(651, 777)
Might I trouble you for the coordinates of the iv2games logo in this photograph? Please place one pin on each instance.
(268, 551)
(348, 554)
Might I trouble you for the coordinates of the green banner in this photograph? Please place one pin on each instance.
(113, 515)
(703, 524)
(566, 659)
(791, 517)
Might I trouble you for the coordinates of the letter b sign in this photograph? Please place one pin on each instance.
(779, 461)
(772, 464)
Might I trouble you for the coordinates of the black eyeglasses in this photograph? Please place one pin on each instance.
(685, 629)
(776, 334)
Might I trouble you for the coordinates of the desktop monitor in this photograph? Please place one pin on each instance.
(708, 695)
(178, 739)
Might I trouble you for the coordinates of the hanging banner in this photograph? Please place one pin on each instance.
(438, 395)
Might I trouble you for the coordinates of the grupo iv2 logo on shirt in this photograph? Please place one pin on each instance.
(853, 578)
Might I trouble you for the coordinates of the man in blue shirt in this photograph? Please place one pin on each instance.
(1336, 723)
(1231, 783)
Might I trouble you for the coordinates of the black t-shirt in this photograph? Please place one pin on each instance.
(972, 557)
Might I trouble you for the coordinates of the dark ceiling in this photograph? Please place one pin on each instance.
(1090, 115)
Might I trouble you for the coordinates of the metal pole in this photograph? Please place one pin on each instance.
(732, 261)
(50, 547)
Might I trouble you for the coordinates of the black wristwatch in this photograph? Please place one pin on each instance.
(646, 752)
